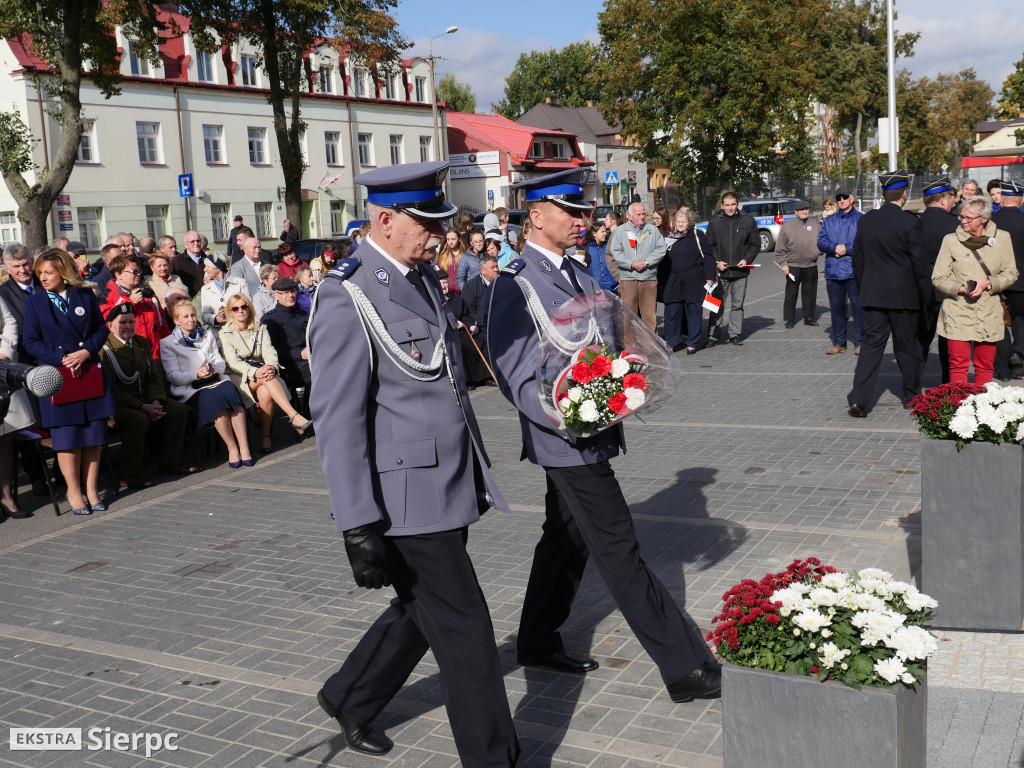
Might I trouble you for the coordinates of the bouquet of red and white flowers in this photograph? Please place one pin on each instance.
(599, 389)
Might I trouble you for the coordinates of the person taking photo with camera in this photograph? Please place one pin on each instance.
(127, 287)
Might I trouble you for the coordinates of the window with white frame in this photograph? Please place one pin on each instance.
(359, 77)
(366, 149)
(204, 66)
(396, 149)
(304, 147)
(247, 64)
(337, 217)
(558, 150)
(332, 147)
(426, 151)
(88, 151)
(89, 225)
(421, 89)
(139, 65)
(156, 221)
(391, 86)
(219, 213)
(537, 150)
(147, 136)
(10, 228)
(213, 144)
(258, 146)
(264, 220)
(325, 79)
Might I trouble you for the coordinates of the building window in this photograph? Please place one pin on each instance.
(396, 150)
(87, 148)
(558, 151)
(366, 149)
(332, 147)
(264, 220)
(248, 67)
(156, 221)
(421, 89)
(337, 217)
(139, 66)
(10, 228)
(304, 147)
(325, 79)
(537, 150)
(213, 141)
(89, 227)
(390, 86)
(258, 146)
(359, 82)
(219, 213)
(426, 155)
(204, 66)
(148, 137)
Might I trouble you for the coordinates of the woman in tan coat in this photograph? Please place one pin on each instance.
(252, 364)
(974, 264)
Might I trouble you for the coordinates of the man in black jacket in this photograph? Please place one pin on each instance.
(234, 247)
(936, 223)
(893, 279)
(469, 332)
(286, 324)
(476, 294)
(1010, 218)
(736, 243)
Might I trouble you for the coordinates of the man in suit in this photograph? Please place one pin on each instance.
(469, 335)
(189, 265)
(286, 323)
(248, 267)
(936, 223)
(585, 511)
(477, 293)
(234, 247)
(1010, 217)
(137, 382)
(406, 470)
(893, 280)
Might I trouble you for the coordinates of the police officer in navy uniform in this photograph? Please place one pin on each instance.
(1010, 218)
(585, 511)
(406, 471)
(936, 223)
(893, 280)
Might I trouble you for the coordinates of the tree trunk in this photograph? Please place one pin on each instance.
(856, 144)
(32, 215)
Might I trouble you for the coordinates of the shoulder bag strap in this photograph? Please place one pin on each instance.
(981, 261)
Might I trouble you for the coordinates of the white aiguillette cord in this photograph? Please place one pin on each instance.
(546, 329)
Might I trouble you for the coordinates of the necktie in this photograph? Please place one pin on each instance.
(58, 302)
(414, 277)
(30, 288)
(570, 273)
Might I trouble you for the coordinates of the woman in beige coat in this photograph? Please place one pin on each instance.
(974, 264)
(252, 364)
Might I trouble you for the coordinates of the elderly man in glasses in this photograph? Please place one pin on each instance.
(189, 265)
(835, 240)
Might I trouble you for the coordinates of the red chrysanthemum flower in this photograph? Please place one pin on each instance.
(617, 402)
(581, 373)
(600, 366)
(635, 381)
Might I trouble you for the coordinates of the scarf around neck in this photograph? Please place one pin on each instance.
(188, 339)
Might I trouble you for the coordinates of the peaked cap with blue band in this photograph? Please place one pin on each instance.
(564, 188)
(414, 188)
(940, 185)
(1013, 188)
(895, 180)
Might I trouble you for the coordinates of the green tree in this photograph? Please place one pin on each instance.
(799, 157)
(458, 96)
(285, 33)
(563, 74)
(1011, 98)
(70, 38)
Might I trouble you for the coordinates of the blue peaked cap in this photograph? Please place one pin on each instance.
(414, 188)
(564, 188)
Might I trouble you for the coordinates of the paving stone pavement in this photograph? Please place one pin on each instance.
(214, 607)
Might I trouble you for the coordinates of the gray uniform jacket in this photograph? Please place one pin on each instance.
(513, 342)
(396, 450)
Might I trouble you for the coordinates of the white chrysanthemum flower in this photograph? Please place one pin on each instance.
(875, 573)
(588, 411)
(1020, 434)
(963, 424)
(882, 623)
(848, 597)
(899, 587)
(575, 394)
(821, 596)
(811, 620)
(1011, 411)
(832, 654)
(919, 601)
(869, 637)
(790, 599)
(876, 586)
(634, 397)
(913, 643)
(800, 587)
(890, 670)
(868, 602)
(826, 633)
(836, 580)
(620, 368)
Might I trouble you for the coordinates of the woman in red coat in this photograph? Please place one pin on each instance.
(127, 286)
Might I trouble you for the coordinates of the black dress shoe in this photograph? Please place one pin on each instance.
(791, 324)
(810, 322)
(359, 737)
(704, 682)
(562, 660)
(736, 340)
(857, 411)
(1017, 364)
(710, 343)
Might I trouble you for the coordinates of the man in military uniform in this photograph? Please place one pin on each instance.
(936, 223)
(406, 471)
(1010, 218)
(893, 279)
(585, 511)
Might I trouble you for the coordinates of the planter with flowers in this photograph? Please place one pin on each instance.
(972, 503)
(824, 668)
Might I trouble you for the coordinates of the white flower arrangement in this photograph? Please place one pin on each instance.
(995, 415)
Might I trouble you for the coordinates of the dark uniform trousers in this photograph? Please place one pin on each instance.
(1004, 348)
(806, 284)
(585, 511)
(135, 425)
(929, 322)
(447, 614)
(879, 323)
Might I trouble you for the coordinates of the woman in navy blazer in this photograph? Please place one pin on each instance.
(63, 326)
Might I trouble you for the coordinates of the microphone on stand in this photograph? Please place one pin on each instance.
(40, 380)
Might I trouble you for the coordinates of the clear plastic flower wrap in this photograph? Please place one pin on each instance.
(599, 363)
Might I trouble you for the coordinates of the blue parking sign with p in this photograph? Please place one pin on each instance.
(185, 188)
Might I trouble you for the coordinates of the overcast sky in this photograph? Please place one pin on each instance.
(488, 43)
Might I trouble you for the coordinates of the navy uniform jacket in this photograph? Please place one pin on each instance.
(475, 294)
(393, 449)
(49, 334)
(513, 343)
(935, 225)
(287, 329)
(1012, 220)
(888, 264)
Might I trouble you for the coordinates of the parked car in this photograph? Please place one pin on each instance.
(600, 211)
(770, 213)
(516, 217)
(309, 249)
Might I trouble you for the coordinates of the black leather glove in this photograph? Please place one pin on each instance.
(366, 554)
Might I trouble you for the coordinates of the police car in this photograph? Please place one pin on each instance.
(770, 213)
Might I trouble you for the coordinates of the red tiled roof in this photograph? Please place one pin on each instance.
(511, 137)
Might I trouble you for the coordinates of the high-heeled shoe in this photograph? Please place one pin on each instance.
(248, 462)
(99, 506)
(301, 430)
(265, 445)
(15, 513)
(82, 511)
(234, 464)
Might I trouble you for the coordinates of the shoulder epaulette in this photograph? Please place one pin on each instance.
(514, 267)
(345, 268)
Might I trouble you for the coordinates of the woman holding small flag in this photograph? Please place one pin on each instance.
(690, 278)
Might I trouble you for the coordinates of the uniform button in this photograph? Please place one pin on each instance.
(408, 333)
(401, 461)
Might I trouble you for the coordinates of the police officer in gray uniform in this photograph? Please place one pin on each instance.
(406, 471)
(585, 511)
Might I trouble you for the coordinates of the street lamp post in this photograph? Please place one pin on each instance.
(433, 86)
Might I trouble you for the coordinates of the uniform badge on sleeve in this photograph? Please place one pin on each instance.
(382, 276)
(544, 265)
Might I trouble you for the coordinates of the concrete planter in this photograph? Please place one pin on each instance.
(775, 719)
(972, 534)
